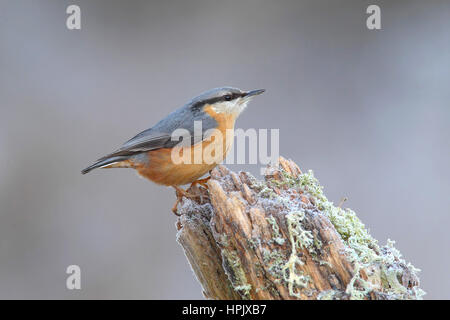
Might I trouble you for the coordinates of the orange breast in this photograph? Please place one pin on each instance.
(201, 157)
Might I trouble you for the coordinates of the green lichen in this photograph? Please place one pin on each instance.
(275, 260)
(398, 278)
(236, 273)
(363, 250)
(267, 192)
(328, 295)
(277, 238)
(223, 240)
(287, 181)
(299, 238)
(254, 243)
(295, 279)
(325, 263)
(244, 289)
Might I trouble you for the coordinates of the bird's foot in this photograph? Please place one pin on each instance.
(180, 192)
(202, 182)
(183, 193)
(195, 186)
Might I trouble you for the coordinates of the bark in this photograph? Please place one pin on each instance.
(282, 239)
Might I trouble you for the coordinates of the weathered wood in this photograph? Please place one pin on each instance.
(282, 239)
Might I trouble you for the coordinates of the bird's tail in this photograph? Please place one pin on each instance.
(106, 163)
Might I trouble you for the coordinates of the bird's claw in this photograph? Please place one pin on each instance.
(202, 182)
(180, 193)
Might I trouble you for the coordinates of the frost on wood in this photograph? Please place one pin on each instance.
(282, 239)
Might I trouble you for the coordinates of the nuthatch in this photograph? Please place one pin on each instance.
(150, 152)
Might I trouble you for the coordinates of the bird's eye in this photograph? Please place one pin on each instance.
(227, 97)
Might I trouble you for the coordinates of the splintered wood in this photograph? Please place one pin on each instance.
(249, 239)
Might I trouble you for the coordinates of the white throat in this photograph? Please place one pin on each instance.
(234, 107)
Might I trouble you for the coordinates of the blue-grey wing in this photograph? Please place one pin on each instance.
(160, 135)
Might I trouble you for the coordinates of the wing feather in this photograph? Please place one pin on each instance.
(160, 136)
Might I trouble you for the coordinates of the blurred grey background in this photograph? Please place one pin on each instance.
(368, 111)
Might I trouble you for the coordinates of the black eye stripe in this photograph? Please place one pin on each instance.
(221, 98)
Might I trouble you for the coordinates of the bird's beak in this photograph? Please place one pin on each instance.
(252, 93)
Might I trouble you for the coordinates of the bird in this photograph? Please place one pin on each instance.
(206, 121)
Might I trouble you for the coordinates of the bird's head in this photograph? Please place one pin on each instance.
(226, 100)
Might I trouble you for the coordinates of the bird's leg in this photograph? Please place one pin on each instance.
(183, 193)
(201, 182)
(175, 209)
(180, 192)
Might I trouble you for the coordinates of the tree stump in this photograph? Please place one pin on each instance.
(282, 239)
